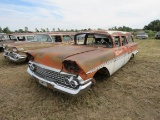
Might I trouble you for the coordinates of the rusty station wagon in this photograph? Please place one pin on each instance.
(74, 68)
(15, 52)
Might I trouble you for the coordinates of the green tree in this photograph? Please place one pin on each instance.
(58, 29)
(1, 30)
(20, 30)
(16, 31)
(6, 30)
(36, 30)
(43, 30)
(99, 29)
(124, 28)
(26, 29)
(47, 30)
(154, 26)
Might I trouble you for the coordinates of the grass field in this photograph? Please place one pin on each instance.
(132, 93)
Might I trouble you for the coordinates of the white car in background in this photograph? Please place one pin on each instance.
(142, 35)
(157, 35)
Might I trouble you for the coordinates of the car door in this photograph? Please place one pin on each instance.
(119, 52)
(127, 48)
(132, 45)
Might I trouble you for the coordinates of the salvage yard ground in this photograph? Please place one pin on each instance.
(132, 93)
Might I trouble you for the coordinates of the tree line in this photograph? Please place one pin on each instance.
(151, 28)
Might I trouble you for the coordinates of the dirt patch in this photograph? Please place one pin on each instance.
(132, 93)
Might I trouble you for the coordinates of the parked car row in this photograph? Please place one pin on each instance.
(16, 52)
(72, 66)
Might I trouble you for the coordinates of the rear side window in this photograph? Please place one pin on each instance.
(56, 38)
(43, 38)
(67, 38)
(116, 41)
(130, 39)
(30, 38)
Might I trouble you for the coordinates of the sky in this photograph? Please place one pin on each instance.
(77, 14)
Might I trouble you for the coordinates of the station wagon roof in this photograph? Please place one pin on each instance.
(58, 33)
(106, 32)
(22, 34)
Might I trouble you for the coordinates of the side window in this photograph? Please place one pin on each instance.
(130, 39)
(43, 38)
(30, 38)
(21, 38)
(117, 41)
(72, 36)
(66, 38)
(56, 38)
(80, 39)
(124, 40)
(12, 37)
(90, 40)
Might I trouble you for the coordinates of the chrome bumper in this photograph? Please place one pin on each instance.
(52, 85)
(16, 59)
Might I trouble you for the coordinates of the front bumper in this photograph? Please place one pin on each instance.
(52, 85)
(14, 57)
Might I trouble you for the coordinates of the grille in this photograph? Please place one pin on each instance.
(9, 53)
(53, 76)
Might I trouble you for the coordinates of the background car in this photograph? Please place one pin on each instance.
(142, 35)
(157, 35)
(16, 52)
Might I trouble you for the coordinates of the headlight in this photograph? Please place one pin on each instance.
(71, 66)
(31, 66)
(72, 82)
(15, 50)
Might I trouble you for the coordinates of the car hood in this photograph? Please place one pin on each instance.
(25, 46)
(86, 57)
(7, 41)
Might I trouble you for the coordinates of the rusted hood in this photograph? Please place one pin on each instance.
(86, 57)
(90, 60)
(25, 46)
(7, 41)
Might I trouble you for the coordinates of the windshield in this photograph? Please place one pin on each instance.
(94, 39)
(43, 38)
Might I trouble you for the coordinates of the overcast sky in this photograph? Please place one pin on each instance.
(77, 14)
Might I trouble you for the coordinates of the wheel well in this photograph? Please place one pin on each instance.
(101, 74)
